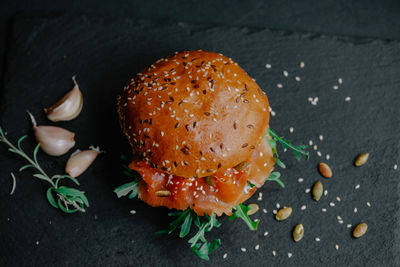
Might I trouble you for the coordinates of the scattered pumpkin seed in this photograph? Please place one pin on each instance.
(209, 180)
(242, 166)
(317, 191)
(163, 193)
(253, 209)
(283, 213)
(361, 159)
(360, 230)
(325, 170)
(298, 232)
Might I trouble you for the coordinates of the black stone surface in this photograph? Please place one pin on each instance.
(104, 53)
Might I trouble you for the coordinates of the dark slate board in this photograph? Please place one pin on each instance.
(104, 53)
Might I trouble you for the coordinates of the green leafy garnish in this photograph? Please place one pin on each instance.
(131, 189)
(69, 199)
(198, 242)
(274, 176)
(298, 150)
(240, 211)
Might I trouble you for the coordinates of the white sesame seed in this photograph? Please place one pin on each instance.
(274, 253)
(340, 221)
(289, 255)
(395, 167)
(268, 66)
(327, 157)
(357, 186)
(338, 199)
(340, 81)
(265, 233)
(37, 242)
(278, 205)
(274, 211)
(335, 87)
(300, 180)
(291, 129)
(338, 217)
(348, 226)
(308, 190)
(303, 207)
(321, 137)
(225, 255)
(285, 73)
(264, 210)
(323, 210)
(301, 64)
(298, 79)
(347, 99)
(257, 247)
(315, 147)
(259, 196)
(368, 204)
(279, 85)
(133, 212)
(273, 113)
(355, 210)
(310, 142)
(332, 204)
(317, 239)
(243, 249)
(337, 247)
(162, 133)
(319, 154)
(325, 192)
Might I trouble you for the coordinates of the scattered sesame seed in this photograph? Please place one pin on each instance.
(337, 247)
(274, 211)
(162, 133)
(317, 239)
(291, 129)
(289, 255)
(340, 81)
(298, 79)
(327, 157)
(332, 204)
(325, 192)
(315, 147)
(335, 87)
(278, 205)
(308, 190)
(338, 217)
(133, 212)
(347, 99)
(323, 210)
(395, 167)
(225, 255)
(300, 180)
(310, 142)
(37, 243)
(274, 253)
(243, 249)
(259, 196)
(257, 247)
(348, 226)
(285, 73)
(268, 66)
(301, 64)
(338, 199)
(319, 154)
(340, 221)
(279, 85)
(355, 210)
(368, 204)
(264, 210)
(321, 137)
(265, 233)
(303, 207)
(357, 186)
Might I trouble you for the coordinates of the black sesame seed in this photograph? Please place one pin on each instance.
(209, 170)
(245, 101)
(245, 88)
(252, 147)
(194, 124)
(214, 68)
(204, 91)
(212, 149)
(221, 146)
(250, 126)
(187, 127)
(186, 163)
(207, 113)
(245, 145)
(164, 168)
(237, 99)
(193, 81)
(171, 98)
(219, 165)
(185, 150)
(234, 125)
(180, 102)
(177, 125)
(175, 164)
(201, 153)
(196, 86)
(146, 136)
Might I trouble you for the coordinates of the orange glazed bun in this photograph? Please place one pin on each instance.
(193, 114)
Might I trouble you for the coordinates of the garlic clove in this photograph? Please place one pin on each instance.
(81, 160)
(68, 107)
(54, 141)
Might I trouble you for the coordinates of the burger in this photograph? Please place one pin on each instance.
(197, 124)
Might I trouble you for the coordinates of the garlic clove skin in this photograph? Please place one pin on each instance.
(80, 161)
(54, 141)
(68, 107)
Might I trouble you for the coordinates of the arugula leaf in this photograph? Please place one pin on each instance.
(185, 227)
(274, 176)
(202, 251)
(128, 188)
(298, 150)
(240, 211)
(175, 223)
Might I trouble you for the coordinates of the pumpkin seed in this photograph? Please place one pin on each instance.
(253, 209)
(360, 230)
(298, 232)
(325, 170)
(361, 159)
(317, 191)
(209, 180)
(242, 166)
(163, 193)
(283, 213)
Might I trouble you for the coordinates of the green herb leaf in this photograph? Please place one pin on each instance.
(72, 194)
(240, 211)
(125, 189)
(20, 140)
(177, 222)
(298, 150)
(26, 167)
(185, 227)
(50, 197)
(202, 251)
(41, 176)
(274, 176)
(35, 153)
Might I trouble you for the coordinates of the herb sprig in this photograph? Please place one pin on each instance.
(132, 188)
(299, 151)
(68, 199)
(240, 211)
(198, 242)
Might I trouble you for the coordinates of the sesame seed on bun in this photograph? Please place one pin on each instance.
(193, 113)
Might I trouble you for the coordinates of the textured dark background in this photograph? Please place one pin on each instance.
(104, 52)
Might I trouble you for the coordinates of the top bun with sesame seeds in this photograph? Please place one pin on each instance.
(193, 113)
